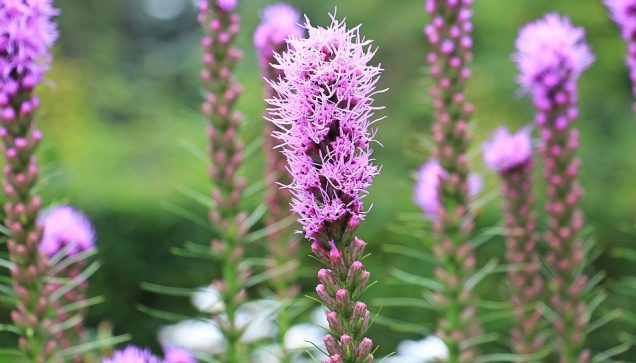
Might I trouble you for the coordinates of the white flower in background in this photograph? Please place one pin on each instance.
(207, 300)
(301, 337)
(319, 318)
(257, 318)
(194, 336)
(428, 350)
(267, 354)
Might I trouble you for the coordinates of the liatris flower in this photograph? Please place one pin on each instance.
(67, 232)
(624, 14)
(177, 355)
(323, 108)
(278, 23)
(511, 157)
(66, 229)
(221, 26)
(132, 354)
(27, 33)
(427, 186)
(449, 35)
(551, 54)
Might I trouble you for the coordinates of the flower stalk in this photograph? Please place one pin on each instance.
(510, 155)
(27, 34)
(551, 55)
(323, 111)
(449, 35)
(278, 23)
(221, 25)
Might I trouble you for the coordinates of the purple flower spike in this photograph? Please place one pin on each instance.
(550, 51)
(551, 55)
(279, 22)
(506, 151)
(449, 35)
(221, 25)
(511, 156)
(624, 14)
(323, 109)
(26, 34)
(132, 354)
(64, 226)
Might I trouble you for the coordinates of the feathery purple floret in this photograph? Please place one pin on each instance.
(64, 226)
(505, 151)
(227, 5)
(278, 22)
(26, 34)
(177, 355)
(624, 14)
(549, 51)
(426, 194)
(132, 354)
(324, 113)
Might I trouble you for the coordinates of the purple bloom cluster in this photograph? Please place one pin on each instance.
(506, 151)
(26, 34)
(510, 155)
(549, 52)
(624, 14)
(324, 111)
(323, 108)
(428, 178)
(279, 22)
(65, 226)
(551, 55)
(132, 354)
(226, 5)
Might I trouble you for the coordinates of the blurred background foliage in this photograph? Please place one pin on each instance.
(120, 117)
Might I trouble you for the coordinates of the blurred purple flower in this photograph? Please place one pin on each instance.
(278, 22)
(624, 14)
(550, 50)
(426, 194)
(64, 226)
(324, 112)
(177, 355)
(227, 5)
(505, 151)
(132, 354)
(26, 34)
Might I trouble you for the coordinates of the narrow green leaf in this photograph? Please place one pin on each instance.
(404, 302)
(489, 268)
(160, 314)
(604, 356)
(91, 346)
(402, 326)
(410, 252)
(167, 290)
(416, 280)
(73, 283)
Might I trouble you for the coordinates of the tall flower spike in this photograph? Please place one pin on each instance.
(449, 36)
(323, 109)
(27, 33)
(510, 155)
(551, 54)
(67, 232)
(624, 14)
(278, 23)
(221, 25)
